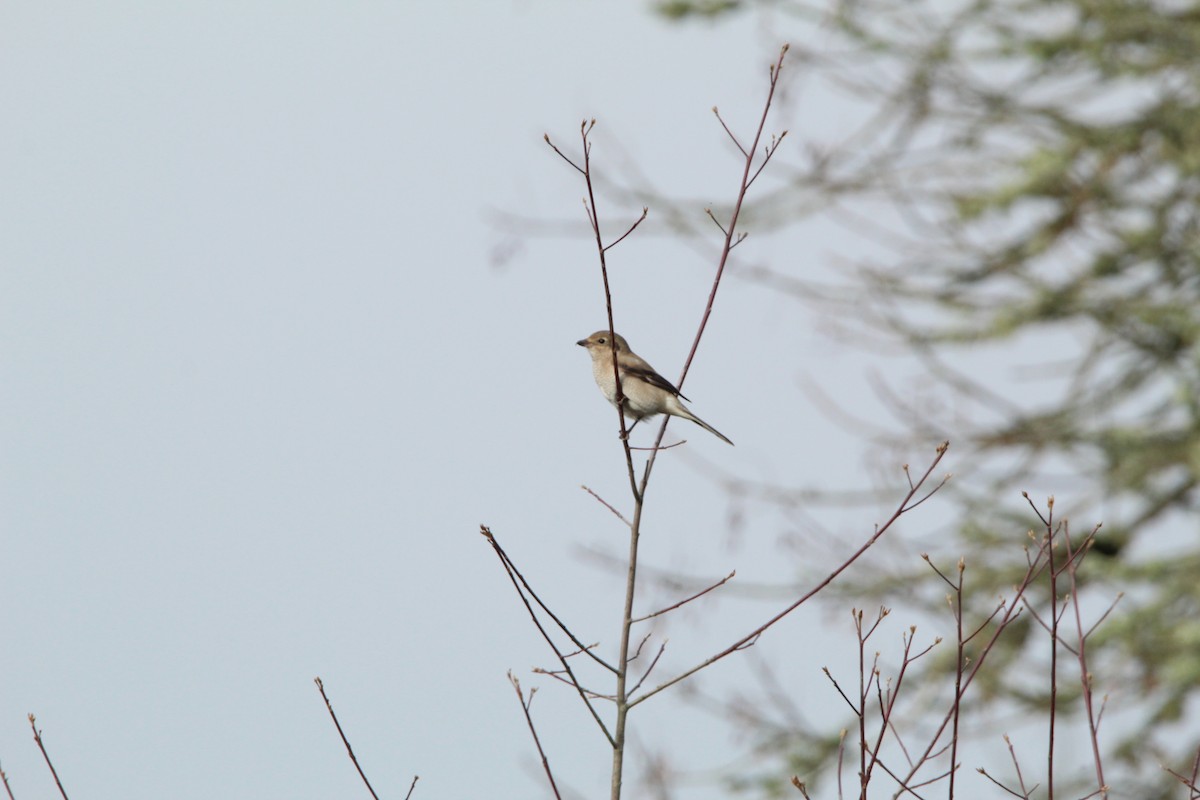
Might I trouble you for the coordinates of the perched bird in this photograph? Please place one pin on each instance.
(646, 393)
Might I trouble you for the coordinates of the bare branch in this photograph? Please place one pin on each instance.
(753, 635)
(345, 741)
(632, 228)
(686, 600)
(516, 684)
(561, 154)
(37, 737)
(733, 138)
(518, 581)
(7, 788)
(606, 504)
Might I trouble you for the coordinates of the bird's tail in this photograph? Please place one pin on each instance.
(705, 425)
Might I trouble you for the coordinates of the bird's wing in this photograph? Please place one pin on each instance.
(640, 369)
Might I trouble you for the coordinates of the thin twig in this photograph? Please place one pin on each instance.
(558, 676)
(769, 151)
(1104, 616)
(632, 228)
(516, 684)
(508, 562)
(606, 504)
(657, 447)
(661, 649)
(1055, 618)
(562, 155)
(7, 788)
(345, 741)
(749, 638)
(1085, 676)
(1017, 766)
(686, 600)
(513, 576)
(716, 222)
(1012, 612)
(1191, 783)
(37, 737)
(717, 114)
(985, 774)
(776, 69)
(845, 697)
(959, 666)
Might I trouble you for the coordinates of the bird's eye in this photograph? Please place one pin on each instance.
(602, 340)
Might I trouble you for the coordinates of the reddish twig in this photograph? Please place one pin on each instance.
(1055, 618)
(959, 664)
(775, 71)
(632, 228)
(1085, 676)
(519, 583)
(717, 114)
(7, 788)
(686, 600)
(345, 741)
(516, 684)
(558, 676)
(1192, 784)
(1017, 766)
(985, 774)
(606, 504)
(516, 576)
(841, 759)
(1012, 611)
(751, 637)
(661, 649)
(37, 737)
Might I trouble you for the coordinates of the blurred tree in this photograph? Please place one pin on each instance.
(1039, 163)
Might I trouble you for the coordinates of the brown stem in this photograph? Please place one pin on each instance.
(345, 741)
(37, 737)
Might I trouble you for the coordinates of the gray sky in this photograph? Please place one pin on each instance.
(263, 378)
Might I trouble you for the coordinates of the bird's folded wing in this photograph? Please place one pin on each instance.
(651, 377)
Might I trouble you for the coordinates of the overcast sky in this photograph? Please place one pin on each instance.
(273, 349)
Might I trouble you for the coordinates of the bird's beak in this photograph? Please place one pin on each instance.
(582, 343)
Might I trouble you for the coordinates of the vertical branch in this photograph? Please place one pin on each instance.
(638, 489)
(1054, 620)
(1085, 676)
(863, 690)
(958, 672)
(601, 251)
(622, 671)
(1004, 616)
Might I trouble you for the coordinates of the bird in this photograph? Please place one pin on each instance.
(646, 393)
